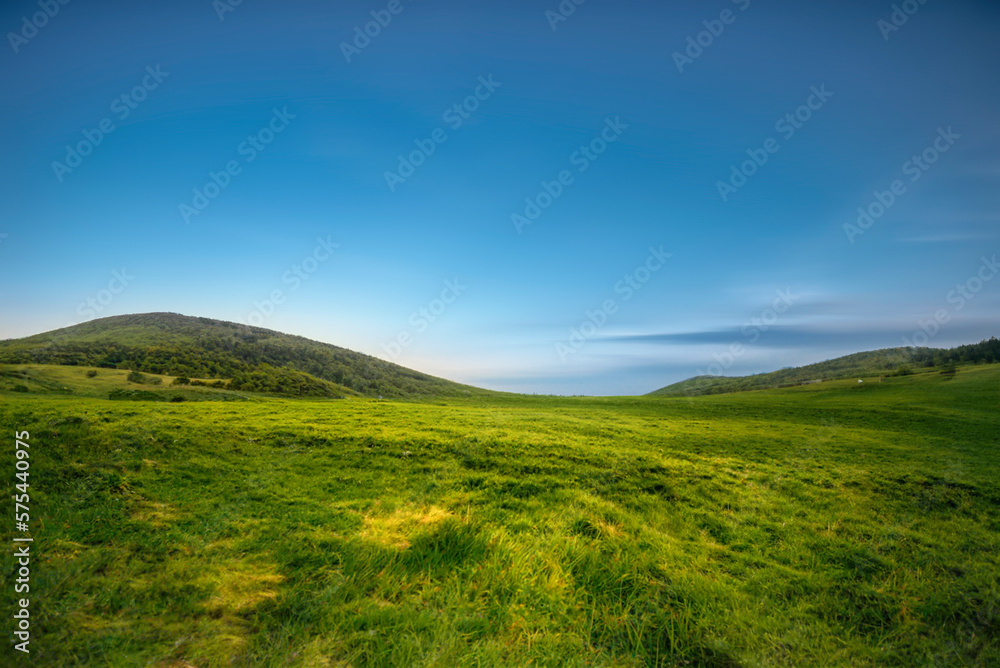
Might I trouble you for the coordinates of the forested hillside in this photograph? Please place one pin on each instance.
(889, 361)
(178, 345)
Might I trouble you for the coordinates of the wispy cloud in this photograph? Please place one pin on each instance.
(783, 337)
(948, 238)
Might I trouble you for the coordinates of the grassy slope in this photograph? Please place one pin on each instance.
(150, 342)
(825, 525)
(73, 380)
(858, 365)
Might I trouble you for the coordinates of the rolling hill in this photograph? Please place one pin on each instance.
(887, 361)
(248, 358)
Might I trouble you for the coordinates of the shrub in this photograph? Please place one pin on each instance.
(91, 373)
(176, 398)
(136, 377)
(155, 381)
(182, 380)
(20, 388)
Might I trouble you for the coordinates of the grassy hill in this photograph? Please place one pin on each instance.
(827, 525)
(901, 361)
(248, 358)
(42, 379)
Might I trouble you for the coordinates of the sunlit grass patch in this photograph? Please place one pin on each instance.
(156, 513)
(397, 528)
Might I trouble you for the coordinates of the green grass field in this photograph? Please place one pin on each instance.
(838, 524)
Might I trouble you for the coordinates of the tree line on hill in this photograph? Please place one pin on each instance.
(984, 352)
(251, 359)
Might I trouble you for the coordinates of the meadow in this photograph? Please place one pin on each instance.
(836, 524)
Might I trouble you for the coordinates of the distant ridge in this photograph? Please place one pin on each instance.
(876, 362)
(253, 358)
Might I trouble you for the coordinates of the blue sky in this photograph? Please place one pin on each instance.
(640, 137)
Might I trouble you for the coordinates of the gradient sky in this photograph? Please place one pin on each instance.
(656, 185)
